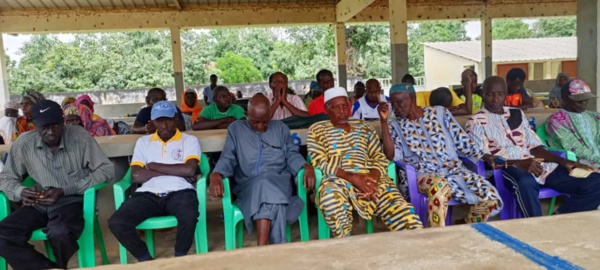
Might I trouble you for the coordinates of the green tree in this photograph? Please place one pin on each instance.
(237, 69)
(434, 31)
(368, 51)
(555, 27)
(510, 29)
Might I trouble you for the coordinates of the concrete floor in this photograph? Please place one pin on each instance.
(165, 239)
(455, 247)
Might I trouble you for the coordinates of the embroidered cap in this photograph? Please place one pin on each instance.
(163, 109)
(402, 88)
(335, 92)
(578, 90)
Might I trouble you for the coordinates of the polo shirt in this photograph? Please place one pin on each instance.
(283, 112)
(177, 150)
(423, 99)
(145, 113)
(211, 112)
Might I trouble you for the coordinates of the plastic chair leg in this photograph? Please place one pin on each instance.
(240, 234)
(324, 231)
(303, 222)
(100, 241)
(288, 233)
(122, 254)
(201, 237)
(369, 226)
(551, 207)
(449, 216)
(150, 241)
(49, 251)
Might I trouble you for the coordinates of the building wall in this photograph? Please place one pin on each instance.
(444, 69)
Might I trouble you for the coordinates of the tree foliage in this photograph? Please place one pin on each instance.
(555, 27)
(510, 29)
(237, 69)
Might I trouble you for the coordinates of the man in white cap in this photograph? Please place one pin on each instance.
(348, 151)
(8, 122)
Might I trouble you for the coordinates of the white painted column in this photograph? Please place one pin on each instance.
(588, 45)
(399, 38)
(177, 63)
(486, 48)
(340, 54)
(4, 94)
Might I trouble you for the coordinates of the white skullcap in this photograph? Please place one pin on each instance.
(12, 105)
(335, 92)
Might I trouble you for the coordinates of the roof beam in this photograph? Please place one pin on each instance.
(177, 4)
(346, 9)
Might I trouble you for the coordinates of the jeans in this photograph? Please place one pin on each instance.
(62, 226)
(140, 206)
(584, 192)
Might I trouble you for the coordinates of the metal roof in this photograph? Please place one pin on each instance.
(513, 50)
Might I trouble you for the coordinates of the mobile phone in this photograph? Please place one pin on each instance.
(499, 161)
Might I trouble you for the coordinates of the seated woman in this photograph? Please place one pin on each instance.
(190, 109)
(87, 101)
(82, 116)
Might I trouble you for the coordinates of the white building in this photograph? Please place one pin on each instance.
(540, 58)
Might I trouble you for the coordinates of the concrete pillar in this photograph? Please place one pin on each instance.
(340, 54)
(486, 48)
(588, 42)
(4, 94)
(399, 38)
(177, 63)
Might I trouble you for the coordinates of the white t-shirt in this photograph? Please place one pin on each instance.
(363, 110)
(178, 150)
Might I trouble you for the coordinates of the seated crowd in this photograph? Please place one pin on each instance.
(261, 160)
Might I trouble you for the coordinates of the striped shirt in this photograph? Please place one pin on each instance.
(356, 151)
(77, 165)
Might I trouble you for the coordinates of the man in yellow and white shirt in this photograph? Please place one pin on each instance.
(165, 164)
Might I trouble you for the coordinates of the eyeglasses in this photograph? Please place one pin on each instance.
(266, 144)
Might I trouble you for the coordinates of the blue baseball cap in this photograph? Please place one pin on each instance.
(163, 109)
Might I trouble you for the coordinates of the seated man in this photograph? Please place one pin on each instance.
(8, 131)
(348, 151)
(143, 124)
(220, 113)
(284, 105)
(471, 92)
(325, 81)
(262, 157)
(441, 97)
(165, 164)
(505, 132)
(518, 96)
(64, 161)
(441, 175)
(457, 107)
(359, 91)
(575, 128)
(365, 108)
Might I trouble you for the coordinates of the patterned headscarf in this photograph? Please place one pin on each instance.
(85, 97)
(66, 101)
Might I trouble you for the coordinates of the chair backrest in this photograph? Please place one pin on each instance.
(204, 165)
(541, 132)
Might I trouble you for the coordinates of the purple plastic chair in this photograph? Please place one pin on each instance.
(510, 210)
(419, 200)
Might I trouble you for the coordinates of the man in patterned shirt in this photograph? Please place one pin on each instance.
(505, 132)
(431, 140)
(348, 151)
(64, 161)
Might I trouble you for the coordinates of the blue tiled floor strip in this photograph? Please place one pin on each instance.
(534, 254)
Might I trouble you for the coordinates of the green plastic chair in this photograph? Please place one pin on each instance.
(86, 253)
(151, 224)
(541, 132)
(324, 231)
(233, 217)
